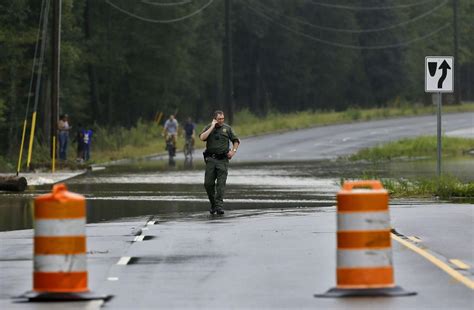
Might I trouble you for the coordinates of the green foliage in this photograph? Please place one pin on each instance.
(446, 187)
(6, 165)
(41, 152)
(117, 70)
(418, 147)
(353, 113)
(244, 116)
(137, 136)
(2, 110)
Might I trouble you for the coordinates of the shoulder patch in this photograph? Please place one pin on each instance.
(224, 130)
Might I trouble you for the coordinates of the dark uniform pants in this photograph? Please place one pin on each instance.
(214, 181)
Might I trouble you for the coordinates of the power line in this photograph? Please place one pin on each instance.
(43, 17)
(42, 28)
(167, 3)
(303, 22)
(369, 8)
(30, 89)
(38, 84)
(42, 51)
(160, 21)
(358, 47)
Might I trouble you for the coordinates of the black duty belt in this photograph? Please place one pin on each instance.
(215, 155)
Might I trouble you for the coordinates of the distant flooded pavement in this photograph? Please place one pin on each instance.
(296, 169)
(146, 188)
(129, 191)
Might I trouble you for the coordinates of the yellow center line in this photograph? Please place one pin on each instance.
(440, 264)
(460, 264)
(413, 238)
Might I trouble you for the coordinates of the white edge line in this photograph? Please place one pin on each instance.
(139, 238)
(124, 260)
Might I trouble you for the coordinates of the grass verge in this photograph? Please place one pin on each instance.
(446, 187)
(425, 146)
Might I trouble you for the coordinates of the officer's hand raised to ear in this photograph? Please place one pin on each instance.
(203, 136)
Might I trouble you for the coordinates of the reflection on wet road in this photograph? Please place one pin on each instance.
(146, 189)
(178, 193)
(114, 194)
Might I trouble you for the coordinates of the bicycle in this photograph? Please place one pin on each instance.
(171, 148)
(188, 151)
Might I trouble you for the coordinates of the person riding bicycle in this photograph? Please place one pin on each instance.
(170, 129)
(189, 131)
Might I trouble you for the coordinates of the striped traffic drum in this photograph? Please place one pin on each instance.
(60, 262)
(364, 248)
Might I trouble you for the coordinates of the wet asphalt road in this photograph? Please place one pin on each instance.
(256, 257)
(253, 259)
(342, 140)
(276, 259)
(332, 141)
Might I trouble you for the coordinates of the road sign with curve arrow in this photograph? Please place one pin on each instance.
(439, 74)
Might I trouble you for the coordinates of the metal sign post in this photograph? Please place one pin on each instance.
(438, 163)
(438, 80)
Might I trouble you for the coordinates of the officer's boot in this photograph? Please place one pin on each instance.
(213, 208)
(218, 204)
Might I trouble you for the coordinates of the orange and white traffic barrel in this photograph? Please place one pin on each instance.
(364, 248)
(60, 262)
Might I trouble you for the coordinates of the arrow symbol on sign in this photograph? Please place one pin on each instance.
(445, 67)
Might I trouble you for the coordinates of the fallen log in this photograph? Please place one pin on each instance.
(13, 183)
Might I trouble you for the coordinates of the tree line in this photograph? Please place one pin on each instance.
(123, 60)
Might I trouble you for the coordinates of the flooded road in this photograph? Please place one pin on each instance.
(146, 188)
(275, 247)
(290, 173)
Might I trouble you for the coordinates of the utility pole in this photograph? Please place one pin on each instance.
(228, 72)
(457, 82)
(55, 74)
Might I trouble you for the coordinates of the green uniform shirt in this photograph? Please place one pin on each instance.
(218, 140)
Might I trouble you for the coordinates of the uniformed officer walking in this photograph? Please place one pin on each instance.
(217, 136)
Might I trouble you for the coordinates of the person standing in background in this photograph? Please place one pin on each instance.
(63, 135)
(87, 140)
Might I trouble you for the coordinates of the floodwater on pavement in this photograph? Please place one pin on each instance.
(145, 188)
